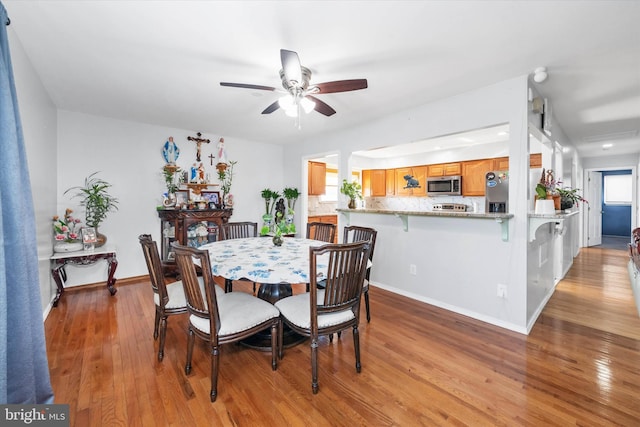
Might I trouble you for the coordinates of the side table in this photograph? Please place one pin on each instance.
(59, 261)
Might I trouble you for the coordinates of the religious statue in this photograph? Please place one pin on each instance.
(201, 179)
(222, 156)
(194, 173)
(170, 151)
(198, 142)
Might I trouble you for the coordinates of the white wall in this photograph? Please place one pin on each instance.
(475, 292)
(129, 156)
(38, 115)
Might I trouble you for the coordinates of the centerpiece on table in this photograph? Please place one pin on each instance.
(66, 233)
(281, 228)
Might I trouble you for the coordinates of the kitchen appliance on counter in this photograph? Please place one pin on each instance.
(497, 192)
(444, 186)
(450, 207)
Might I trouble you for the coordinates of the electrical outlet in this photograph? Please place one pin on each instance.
(412, 269)
(502, 290)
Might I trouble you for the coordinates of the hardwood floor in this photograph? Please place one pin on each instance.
(420, 365)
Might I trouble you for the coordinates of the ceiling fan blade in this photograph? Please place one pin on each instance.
(291, 65)
(342, 86)
(247, 86)
(322, 107)
(271, 108)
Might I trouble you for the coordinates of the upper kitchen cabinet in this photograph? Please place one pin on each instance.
(473, 176)
(411, 181)
(317, 178)
(391, 182)
(444, 169)
(374, 182)
(502, 163)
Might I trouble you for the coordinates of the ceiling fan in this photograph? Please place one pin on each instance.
(300, 93)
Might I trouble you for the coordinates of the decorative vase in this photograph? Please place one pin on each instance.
(101, 239)
(545, 207)
(277, 240)
(352, 203)
(566, 203)
(67, 246)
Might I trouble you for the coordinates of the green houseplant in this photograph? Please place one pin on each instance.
(353, 190)
(97, 202)
(569, 197)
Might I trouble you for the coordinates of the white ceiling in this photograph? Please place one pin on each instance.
(161, 62)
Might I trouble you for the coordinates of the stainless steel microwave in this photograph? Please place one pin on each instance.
(444, 186)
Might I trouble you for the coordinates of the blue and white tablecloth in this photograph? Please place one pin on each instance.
(257, 259)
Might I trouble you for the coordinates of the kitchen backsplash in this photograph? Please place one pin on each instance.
(316, 207)
(419, 204)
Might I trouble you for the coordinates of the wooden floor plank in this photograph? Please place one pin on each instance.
(421, 365)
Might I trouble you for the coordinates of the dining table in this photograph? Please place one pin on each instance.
(275, 268)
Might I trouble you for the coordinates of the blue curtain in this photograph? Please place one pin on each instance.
(24, 371)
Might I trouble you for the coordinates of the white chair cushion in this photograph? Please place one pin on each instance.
(177, 299)
(298, 311)
(239, 311)
(365, 285)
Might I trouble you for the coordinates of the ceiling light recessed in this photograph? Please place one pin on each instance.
(606, 146)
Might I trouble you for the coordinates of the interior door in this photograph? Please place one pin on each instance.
(594, 208)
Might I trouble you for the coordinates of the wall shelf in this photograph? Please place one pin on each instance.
(537, 221)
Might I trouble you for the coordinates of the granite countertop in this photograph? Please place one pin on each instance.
(456, 214)
(557, 215)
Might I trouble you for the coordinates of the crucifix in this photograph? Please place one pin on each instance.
(198, 142)
(211, 158)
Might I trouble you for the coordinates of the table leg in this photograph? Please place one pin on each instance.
(111, 281)
(59, 275)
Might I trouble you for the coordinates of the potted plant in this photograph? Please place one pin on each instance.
(281, 228)
(225, 176)
(169, 172)
(569, 197)
(291, 195)
(97, 202)
(353, 191)
(66, 232)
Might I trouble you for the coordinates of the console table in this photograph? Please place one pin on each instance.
(59, 261)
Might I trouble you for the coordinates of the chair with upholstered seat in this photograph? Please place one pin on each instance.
(356, 233)
(238, 230)
(220, 318)
(169, 298)
(335, 308)
(322, 231)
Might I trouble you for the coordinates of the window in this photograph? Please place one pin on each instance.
(617, 189)
(332, 189)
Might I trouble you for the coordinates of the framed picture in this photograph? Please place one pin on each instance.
(89, 235)
(211, 196)
(182, 197)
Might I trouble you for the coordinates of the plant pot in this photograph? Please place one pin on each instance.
(277, 240)
(352, 203)
(566, 203)
(101, 239)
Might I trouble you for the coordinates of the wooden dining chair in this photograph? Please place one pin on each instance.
(335, 308)
(322, 231)
(169, 298)
(221, 318)
(238, 230)
(356, 233)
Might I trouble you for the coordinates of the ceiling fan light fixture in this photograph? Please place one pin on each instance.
(540, 74)
(307, 105)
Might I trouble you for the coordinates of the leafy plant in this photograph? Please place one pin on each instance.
(352, 190)
(225, 176)
(291, 194)
(282, 227)
(96, 199)
(547, 186)
(571, 194)
(169, 178)
(270, 197)
(66, 229)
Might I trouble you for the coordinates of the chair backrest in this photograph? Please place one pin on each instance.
(323, 231)
(203, 306)
(154, 265)
(239, 230)
(346, 268)
(356, 233)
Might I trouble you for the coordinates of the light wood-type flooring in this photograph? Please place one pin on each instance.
(421, 365)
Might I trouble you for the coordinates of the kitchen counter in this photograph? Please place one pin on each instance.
(500, 218)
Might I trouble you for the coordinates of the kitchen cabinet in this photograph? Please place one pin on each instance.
(188, 227)
(502, 163)
(390, 180)
(418, 173)
(444, 169)
(331, 219)
(374, 183)
(473, 176)
(317, 178)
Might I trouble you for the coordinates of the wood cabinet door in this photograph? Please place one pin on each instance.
(417, 173)
(473, 176)
(444, 169)
(390, 179)
(378, 183)
(535, 160)
(501, 164)
(317, 178)
(366, 183)
(435, 170)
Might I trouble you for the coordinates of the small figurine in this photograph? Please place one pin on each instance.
(194, 173)
(201, 179)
